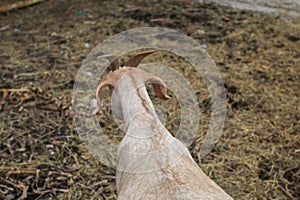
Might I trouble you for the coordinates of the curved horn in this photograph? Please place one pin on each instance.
(101, 85)
(135, 60)
(112, 59)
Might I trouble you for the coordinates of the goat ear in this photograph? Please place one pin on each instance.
(101, 85)
(159, 87)
(134, 61)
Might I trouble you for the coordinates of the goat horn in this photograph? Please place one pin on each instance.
(112, 59)
(135, 60)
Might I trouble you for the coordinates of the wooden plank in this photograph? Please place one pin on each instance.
(19, 4)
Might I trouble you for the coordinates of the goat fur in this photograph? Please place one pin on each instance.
(152, 164)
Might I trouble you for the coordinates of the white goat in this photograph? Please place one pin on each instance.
(152, 164)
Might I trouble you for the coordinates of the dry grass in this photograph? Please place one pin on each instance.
(41, 49)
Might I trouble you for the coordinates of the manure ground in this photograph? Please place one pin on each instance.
(41, 49)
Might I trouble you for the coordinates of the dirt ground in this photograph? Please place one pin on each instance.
(42, 47)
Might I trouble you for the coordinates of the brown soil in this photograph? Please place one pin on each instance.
(42, 46)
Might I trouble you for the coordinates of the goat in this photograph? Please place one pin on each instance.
(152, 164)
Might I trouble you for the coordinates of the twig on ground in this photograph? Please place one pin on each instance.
(19, 4)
